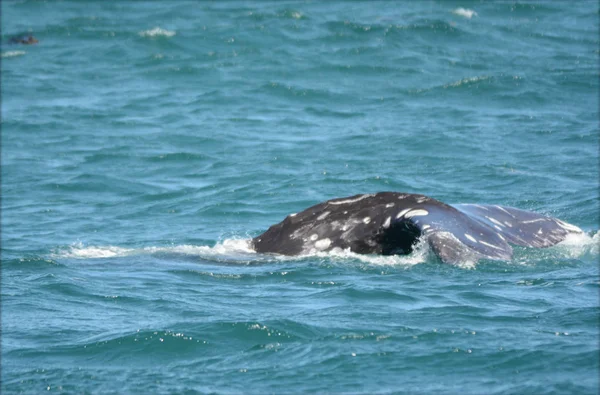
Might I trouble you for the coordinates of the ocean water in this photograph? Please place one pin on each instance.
(144, 144)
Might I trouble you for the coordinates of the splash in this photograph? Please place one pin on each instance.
(420, 254)
(579, 244)
(157, 32)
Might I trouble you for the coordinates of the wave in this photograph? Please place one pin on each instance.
(462, 83)
(466, 81)
(239, 251)
(339, 30)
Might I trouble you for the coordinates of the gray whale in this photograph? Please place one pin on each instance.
(390, 223)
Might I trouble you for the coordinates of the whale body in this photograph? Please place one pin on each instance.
(390, 223)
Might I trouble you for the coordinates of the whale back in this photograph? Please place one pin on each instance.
(392, 223)
(359, 223)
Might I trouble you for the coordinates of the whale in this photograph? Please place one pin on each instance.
(392, 223)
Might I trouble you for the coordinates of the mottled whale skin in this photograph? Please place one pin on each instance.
(390, 223)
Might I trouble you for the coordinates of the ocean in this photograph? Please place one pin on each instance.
(144, 143)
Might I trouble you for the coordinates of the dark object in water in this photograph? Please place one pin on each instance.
(26, 39)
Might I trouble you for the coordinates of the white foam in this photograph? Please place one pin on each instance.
(581, 239)
(80, 251)
(419, 255)
(11, 54)
(465, 12)
(576, 245)
(227, 247)
(157, 32)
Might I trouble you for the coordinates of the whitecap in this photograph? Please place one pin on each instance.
(157, 31)
(465, 12)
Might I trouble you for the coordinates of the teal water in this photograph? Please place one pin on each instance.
(143, 144)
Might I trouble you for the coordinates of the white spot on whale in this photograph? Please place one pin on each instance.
(366, 220)
(495, 221)
(490, 245)
(314, 237)
(293, 214)
(503, 209)
(323, 216)
(387, 222)
(468, 236)
(322, 244)
(534, 220)
(416, 213)
(567, 226)
(421, 199)
(346, 201)
(401, 213)
(389, 205)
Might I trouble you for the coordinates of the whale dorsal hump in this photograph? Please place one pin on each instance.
(391, 223)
